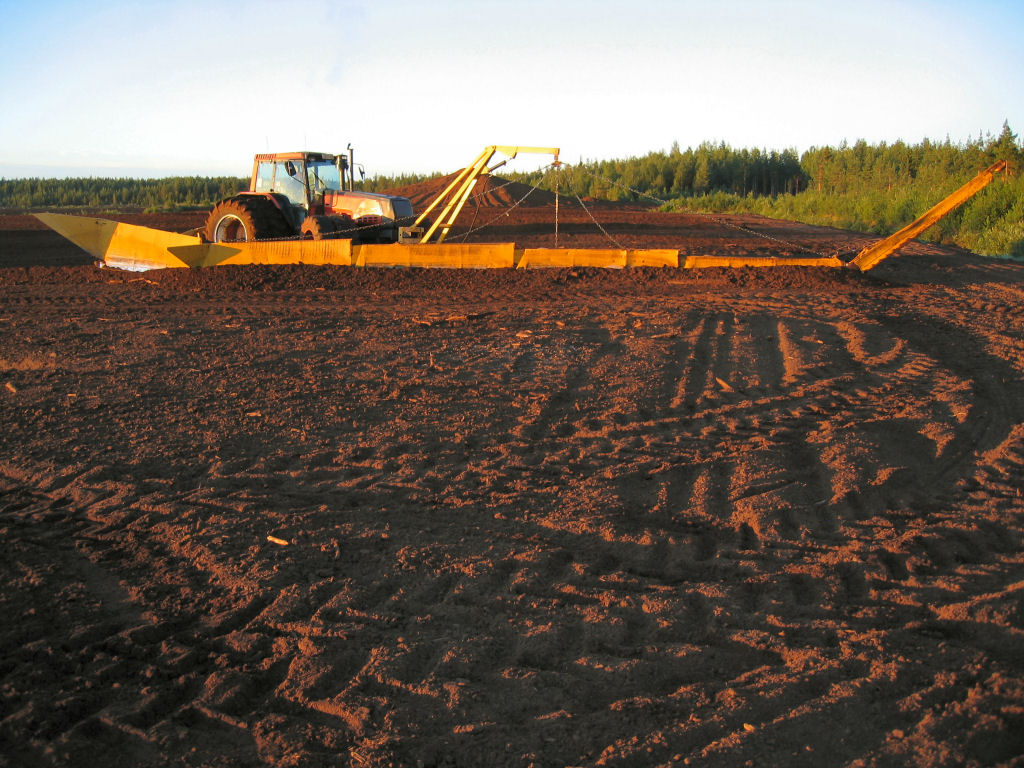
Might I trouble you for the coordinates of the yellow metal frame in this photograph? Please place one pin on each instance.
(873, 254)
(456, 194)
(127, 246)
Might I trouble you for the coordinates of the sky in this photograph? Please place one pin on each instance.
(183, 87)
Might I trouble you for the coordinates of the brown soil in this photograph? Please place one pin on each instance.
(305, 516)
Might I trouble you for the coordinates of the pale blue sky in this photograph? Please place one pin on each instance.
(176, 87)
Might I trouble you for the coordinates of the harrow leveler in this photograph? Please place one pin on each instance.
(128, 246)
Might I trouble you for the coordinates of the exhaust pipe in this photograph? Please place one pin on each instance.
(351, 169)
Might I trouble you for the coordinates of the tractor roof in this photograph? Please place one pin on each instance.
(273, 157)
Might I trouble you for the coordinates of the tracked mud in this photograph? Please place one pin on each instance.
(300, 516)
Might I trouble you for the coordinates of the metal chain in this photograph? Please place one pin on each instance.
(572, 190)
(547, 170)
(616, 243)
(558, 178)
(597, 223)
(506, 212)
(711, 217)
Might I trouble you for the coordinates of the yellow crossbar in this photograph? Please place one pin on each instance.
(699, 262)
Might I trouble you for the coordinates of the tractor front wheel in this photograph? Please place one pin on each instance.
(317, 228)
(245, 218)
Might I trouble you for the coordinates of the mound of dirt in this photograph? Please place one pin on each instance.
(490, 191)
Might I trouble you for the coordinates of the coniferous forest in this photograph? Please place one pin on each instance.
(873, 188)
(168, 194)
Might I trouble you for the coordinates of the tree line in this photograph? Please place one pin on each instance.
(677, 173)
(875, 188)
(172, 193)
(849, 168)
(881, 188)
(868, 187)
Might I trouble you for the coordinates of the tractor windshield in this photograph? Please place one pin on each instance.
(292, 178)
(288, 181)
(322, 176)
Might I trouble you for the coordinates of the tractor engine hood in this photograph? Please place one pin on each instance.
(359, 204)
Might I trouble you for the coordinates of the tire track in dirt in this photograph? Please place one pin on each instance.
(851, 576)
(995, 387)
(134, 636)
(608, 630)
(911, 372)
(544, 535)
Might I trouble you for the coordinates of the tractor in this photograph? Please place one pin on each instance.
(302, 194)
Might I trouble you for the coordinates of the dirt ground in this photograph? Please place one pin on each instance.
(303, 516)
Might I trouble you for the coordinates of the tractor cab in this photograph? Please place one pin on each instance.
(302, 177)
(313, 184)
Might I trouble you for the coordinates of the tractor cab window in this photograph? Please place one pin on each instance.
(288, 181)
(265, 177)
(323, 176)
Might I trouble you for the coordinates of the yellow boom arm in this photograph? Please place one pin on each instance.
(873, 254)
(457, 193)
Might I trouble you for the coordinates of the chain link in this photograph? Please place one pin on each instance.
(710, 217)
(547, 170)
(506, 212)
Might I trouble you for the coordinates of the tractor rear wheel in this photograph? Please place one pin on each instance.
(244, 218)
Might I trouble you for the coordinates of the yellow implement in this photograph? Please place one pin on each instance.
(456, 194)
(873, 254)
(124, 246)
(127, 246)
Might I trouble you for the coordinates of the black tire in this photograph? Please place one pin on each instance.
(370, 229)
(344, 227)
(244, 218)
(317, 228)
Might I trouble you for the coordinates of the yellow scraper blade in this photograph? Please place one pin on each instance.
(125, 246)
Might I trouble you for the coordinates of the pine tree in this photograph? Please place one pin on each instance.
(1006, 147)
(702, 175)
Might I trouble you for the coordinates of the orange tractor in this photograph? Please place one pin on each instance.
(302, 194)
